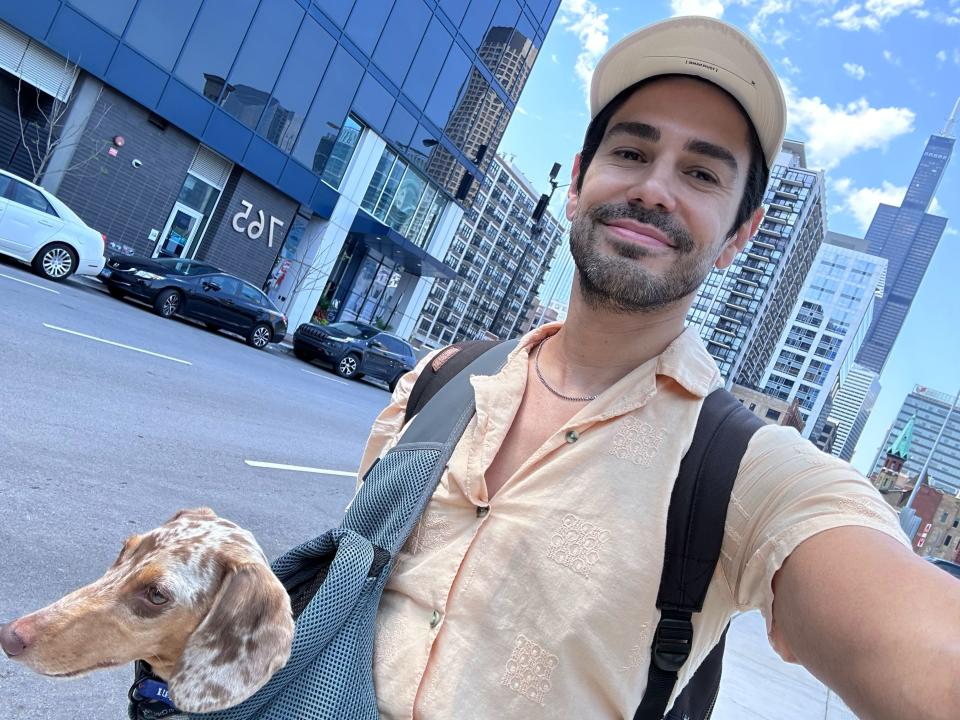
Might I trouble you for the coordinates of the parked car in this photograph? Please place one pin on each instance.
(951, 567)
(37, 228)
(198, 291)
(355, 349)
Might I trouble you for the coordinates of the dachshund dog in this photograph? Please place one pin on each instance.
(195, 598)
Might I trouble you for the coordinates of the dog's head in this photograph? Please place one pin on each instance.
(195, 598)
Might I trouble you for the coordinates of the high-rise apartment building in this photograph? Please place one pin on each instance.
(741, 310)
(825, 328)
(316, 148)
(928, 409)
(845, 412)
(907, 237)
(500, 258)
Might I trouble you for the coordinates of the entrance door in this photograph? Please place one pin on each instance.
(182, 226)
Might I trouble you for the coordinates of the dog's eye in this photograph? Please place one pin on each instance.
(155, 596)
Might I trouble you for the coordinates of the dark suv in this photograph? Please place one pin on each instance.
(355, 349)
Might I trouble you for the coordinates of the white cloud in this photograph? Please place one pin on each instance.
(956, 56)
(834, 133)
(584, 19)
(553, 58)
(891, 58)
(942, 56)
(935, 207)
(520, 109)
(951, 231)
(713, 8)
(861, 203)
(766, 10)
(789, 67)
(871, 14)
(857, 72)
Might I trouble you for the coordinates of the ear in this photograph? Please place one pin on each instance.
(738, 241)
(203, 513)
(244, 639)
(573, 196)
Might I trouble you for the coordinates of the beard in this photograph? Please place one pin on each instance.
(618, 282)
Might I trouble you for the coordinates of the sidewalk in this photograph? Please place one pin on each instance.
(758, 685)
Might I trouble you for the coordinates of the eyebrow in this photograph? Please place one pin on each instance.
(698, 147)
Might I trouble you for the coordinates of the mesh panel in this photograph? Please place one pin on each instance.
(329, 673)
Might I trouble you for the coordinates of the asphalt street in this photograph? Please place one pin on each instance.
(112, 418)
(99, 440)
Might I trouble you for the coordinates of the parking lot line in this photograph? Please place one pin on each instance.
(10, 277)
(325, 377)
(298, 468)
(116, 344)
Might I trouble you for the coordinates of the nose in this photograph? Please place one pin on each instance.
(12, 643)
(653, 189)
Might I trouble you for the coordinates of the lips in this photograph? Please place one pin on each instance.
(638, 233)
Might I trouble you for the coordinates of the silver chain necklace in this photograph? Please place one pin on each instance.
(570, 398)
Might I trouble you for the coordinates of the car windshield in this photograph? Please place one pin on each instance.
(179, 266)
(352, 329)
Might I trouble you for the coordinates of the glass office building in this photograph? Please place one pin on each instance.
(319, 148)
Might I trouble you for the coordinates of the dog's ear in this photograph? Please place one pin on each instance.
(244, 639)
(201, 513)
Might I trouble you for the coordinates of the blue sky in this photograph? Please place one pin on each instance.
(867, 83)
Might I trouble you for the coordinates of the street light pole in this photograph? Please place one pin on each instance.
(535, 231)
(908, 516)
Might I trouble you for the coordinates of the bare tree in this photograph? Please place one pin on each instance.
(42, 139)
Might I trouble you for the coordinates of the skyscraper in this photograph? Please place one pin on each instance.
(741, 310)
(928, 409)
(825, 328)
(907, 237)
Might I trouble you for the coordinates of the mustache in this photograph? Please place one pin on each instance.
(664, 222)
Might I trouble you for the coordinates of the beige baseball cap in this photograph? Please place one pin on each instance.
(703, 47)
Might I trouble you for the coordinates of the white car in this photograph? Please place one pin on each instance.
(36, 228)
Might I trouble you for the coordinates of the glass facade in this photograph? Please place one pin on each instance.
(437, 80)
(907, 236)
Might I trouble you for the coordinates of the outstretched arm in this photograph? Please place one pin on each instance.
(874, 622)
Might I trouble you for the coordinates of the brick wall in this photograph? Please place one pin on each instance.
(235, 252)
(108, 193)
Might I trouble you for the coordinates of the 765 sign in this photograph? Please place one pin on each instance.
(253, 228)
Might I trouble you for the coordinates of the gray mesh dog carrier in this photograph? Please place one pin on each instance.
(335, 581)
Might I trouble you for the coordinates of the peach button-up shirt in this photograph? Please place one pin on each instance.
(541, 602)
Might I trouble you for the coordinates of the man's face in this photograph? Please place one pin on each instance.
(658, 199)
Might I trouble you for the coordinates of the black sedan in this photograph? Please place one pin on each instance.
(355, 349)
(198, 291)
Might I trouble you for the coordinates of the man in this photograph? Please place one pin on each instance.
(528, 588)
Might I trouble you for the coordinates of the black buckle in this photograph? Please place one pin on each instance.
(672, 642)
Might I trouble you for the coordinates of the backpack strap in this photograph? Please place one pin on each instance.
(441, 369)
(695, 522)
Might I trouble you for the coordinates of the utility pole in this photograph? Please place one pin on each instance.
(535, 232)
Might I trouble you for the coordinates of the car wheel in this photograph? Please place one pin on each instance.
(116, 293)
(349, 366)
(167, 303)
(302, 354)
(260, 336)
(56, 262)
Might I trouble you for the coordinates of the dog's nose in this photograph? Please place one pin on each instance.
(11, 642)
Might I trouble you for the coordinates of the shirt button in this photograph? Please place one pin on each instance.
(435, 618)
(572, 436)
(482, 511)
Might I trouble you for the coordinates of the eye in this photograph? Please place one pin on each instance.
(627, 154)
(156, 596)
(704, 176)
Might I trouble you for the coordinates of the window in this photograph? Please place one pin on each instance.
(943, 518)
(26, 195)
(773, 414)
(212, 47)
(159, 33)
(946, 541)
(341, 152)
(753, 406)
(251, 294)
(403, 199)
(228, 285)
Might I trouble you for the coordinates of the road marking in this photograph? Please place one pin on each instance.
(10, 277)
(298, 468)
(116, 344)
(325, 377)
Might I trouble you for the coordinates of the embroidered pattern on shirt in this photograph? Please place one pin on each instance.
(431, 532)
(637, 441)
(529, 669)
(577, 544)
(638, 653)
(388, 639)
(858, 507)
